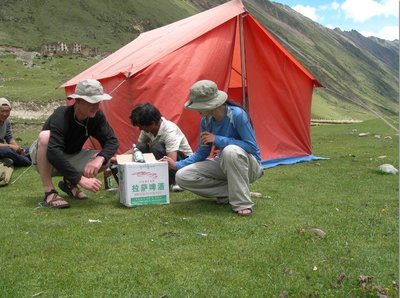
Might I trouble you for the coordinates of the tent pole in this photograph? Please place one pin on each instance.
(242, 62)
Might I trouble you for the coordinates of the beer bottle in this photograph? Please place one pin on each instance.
(107, 178)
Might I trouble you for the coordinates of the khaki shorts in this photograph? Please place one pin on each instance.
(78, 160)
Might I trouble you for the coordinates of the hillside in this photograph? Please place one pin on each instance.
(95, 23)
(355, 71)
(384, 50)
(352, 74)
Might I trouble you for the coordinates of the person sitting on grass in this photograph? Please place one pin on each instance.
(10, 152)
(160, 137)
(58, 149)
(226, 126)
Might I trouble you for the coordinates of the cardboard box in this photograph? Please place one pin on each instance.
(142, 183)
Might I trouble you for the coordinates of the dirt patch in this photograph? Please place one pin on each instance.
(31, 110)
(20, 54)
(28, 110)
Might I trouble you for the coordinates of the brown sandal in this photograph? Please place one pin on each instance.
(245, 212)
(71, 190)
(51, 197)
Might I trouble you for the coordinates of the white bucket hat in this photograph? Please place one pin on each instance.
(204, 95)
(4, 102)
(90, 91)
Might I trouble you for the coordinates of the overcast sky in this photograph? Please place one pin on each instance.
(378, 18)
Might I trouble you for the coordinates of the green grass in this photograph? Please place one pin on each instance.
(328, 107)
(39, 83)
(162, 251)
(104, 25)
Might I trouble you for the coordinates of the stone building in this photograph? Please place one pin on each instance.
(62, 48)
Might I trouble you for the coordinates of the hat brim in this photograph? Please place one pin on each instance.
(208, 105)
(91, 99)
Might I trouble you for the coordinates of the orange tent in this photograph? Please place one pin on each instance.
(224, 44)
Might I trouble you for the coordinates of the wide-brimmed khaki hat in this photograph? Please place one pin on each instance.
(204, 96)
(4, 102)
(90, 91)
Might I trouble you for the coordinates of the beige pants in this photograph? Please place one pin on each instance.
(226, 176)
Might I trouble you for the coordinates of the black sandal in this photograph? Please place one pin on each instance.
(67, 187)
(54, 197)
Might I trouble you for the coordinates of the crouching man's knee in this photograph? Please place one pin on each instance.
(43, 138)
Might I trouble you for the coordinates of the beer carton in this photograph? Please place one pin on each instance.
(142, 183)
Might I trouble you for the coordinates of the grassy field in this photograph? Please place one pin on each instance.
(195, 248)
(39, 83)
(98, 24)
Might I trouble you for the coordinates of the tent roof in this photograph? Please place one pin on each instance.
(150, 46)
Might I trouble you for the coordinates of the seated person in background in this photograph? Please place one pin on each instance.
(58, 149)
(160, 137)
(227, 176)
(10, 152)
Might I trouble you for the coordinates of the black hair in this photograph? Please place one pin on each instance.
(230, 102)
(144, 114)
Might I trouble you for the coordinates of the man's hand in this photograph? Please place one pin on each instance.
(16, 148)
(91, 184)
(170, 161)
(92, 167)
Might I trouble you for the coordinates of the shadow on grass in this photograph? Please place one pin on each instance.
(200, 206)
(182, 205)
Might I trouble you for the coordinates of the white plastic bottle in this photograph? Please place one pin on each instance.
(137, 154)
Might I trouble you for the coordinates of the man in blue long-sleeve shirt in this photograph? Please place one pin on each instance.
(227, 127)
(58, 149)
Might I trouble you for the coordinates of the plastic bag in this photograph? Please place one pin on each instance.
(5, 174)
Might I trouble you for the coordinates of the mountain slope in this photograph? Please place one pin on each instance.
(385, 51)
(96, 23)
(356, 71)
(352, 75)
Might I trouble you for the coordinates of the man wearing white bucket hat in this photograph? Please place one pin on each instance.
(10, 152)
(226, 126)
(58, 149)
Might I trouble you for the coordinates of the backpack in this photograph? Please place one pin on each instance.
(5, 174)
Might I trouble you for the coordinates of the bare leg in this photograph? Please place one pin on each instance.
(43, 165)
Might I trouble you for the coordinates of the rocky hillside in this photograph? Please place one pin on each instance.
(384, 50)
